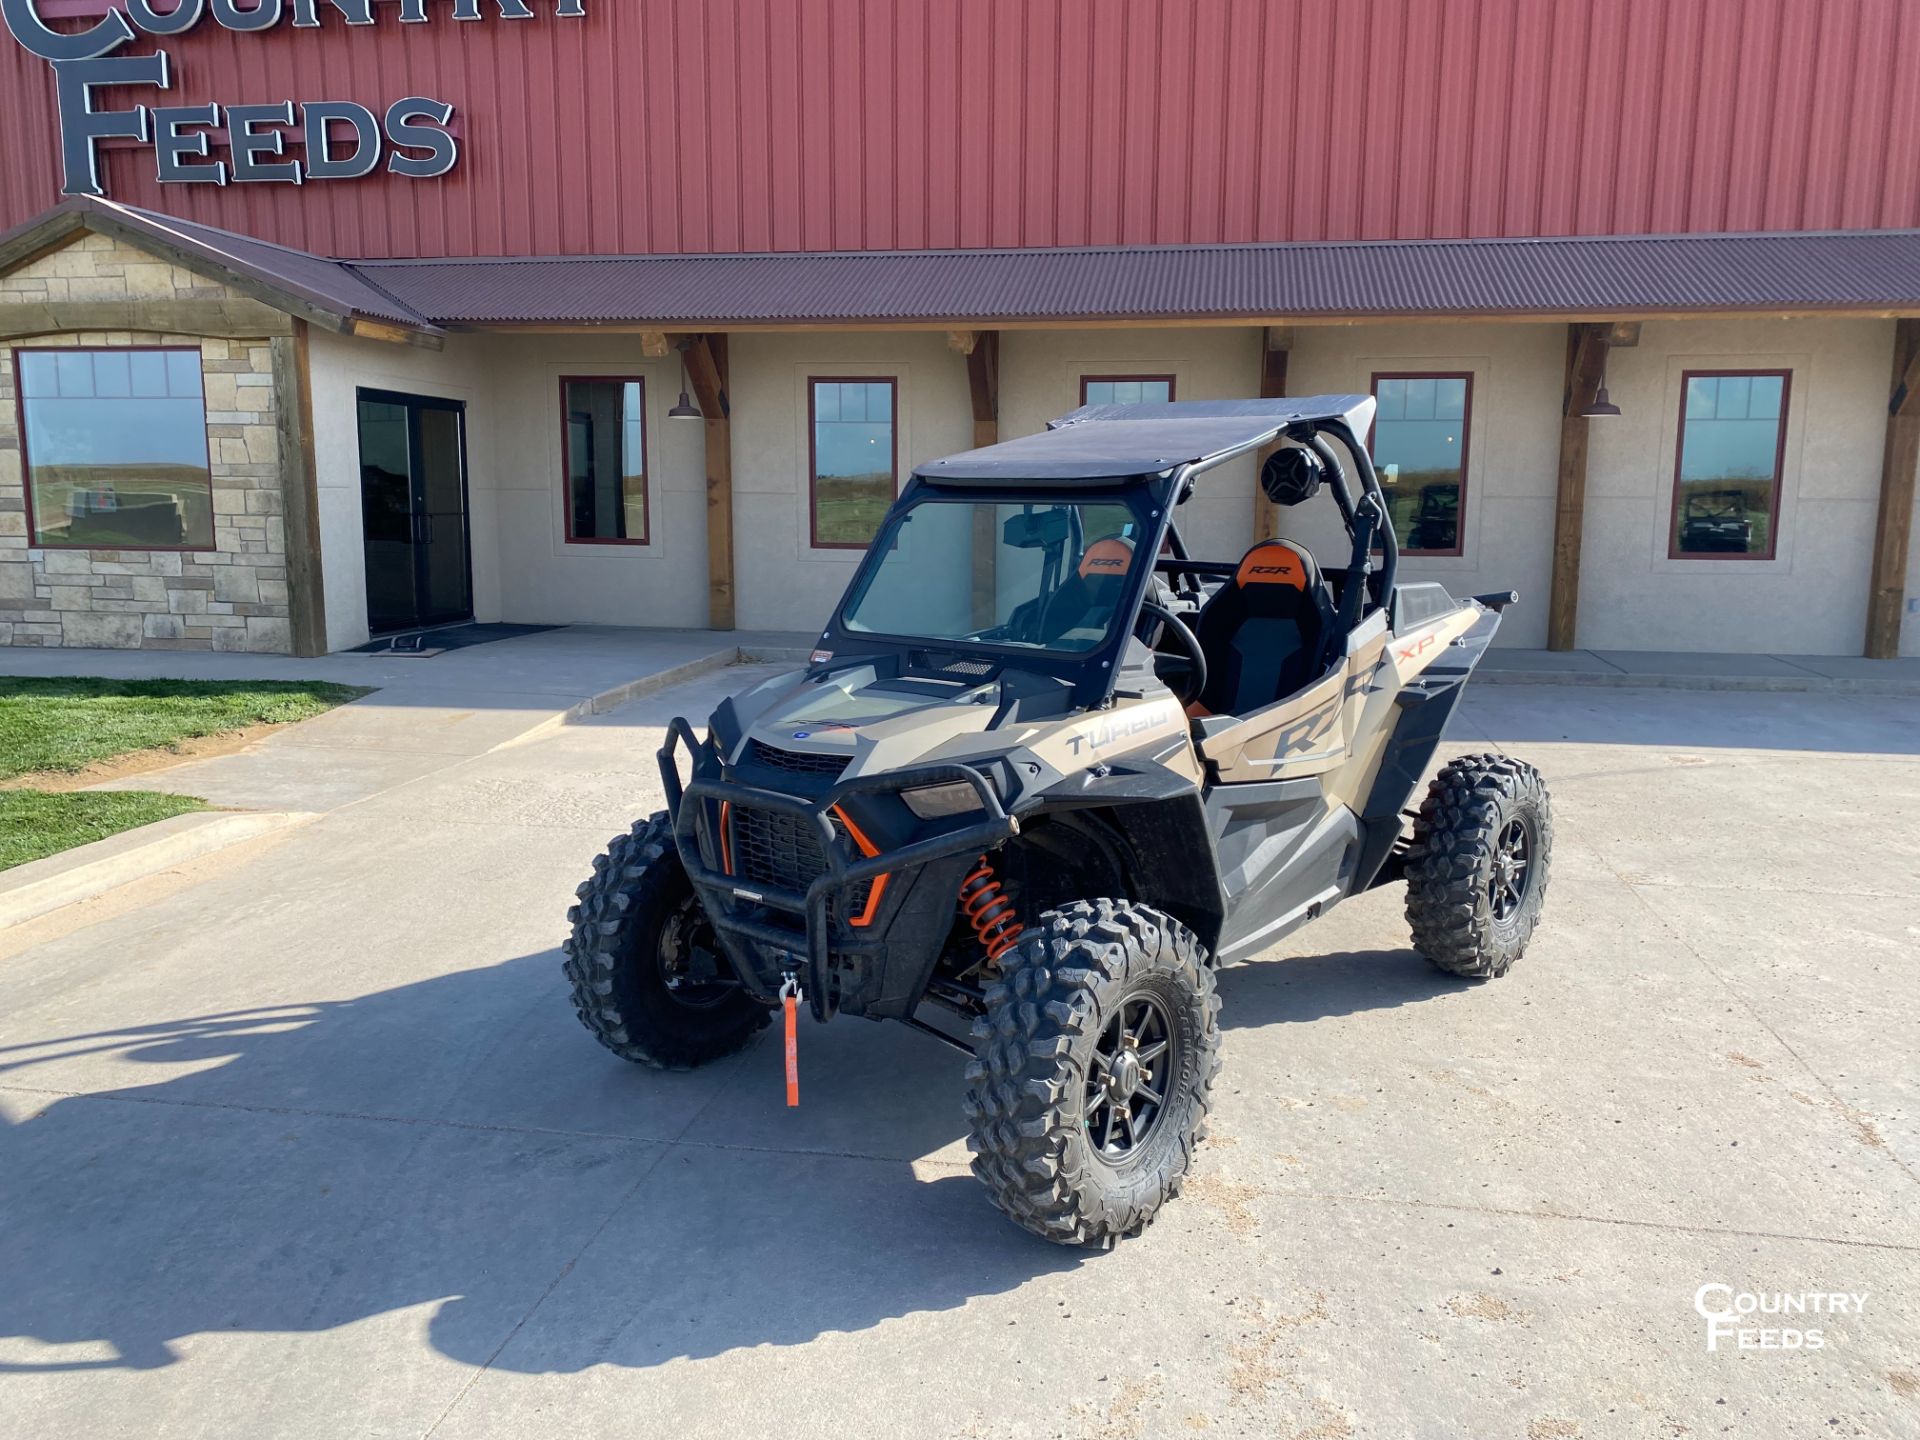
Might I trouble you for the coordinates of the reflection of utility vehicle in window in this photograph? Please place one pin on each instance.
(1436, 521)
(1046, 771)
(1716, 522)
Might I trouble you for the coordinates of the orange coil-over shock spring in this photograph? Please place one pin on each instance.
(985, 904)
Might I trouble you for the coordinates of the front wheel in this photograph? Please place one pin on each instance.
(648, 977)
(1095, 1063)
(1477, 867)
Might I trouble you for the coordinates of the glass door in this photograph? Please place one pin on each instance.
(413, 499)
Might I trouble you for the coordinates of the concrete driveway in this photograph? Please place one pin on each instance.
(304, 1140)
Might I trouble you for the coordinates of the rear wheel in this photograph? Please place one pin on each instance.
(1096, 1058)
(648, 977)
(1477, 868)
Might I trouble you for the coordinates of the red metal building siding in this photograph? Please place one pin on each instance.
(753, 125)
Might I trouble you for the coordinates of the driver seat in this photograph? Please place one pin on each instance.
(1264, 632)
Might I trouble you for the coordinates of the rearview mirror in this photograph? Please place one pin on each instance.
(1035, 530)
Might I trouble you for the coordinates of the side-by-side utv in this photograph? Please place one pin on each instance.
(1046, 770)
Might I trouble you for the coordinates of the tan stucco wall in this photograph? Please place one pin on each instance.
(231, 598)
(341, 366)
(1810, 599)
(1040, 379)
(782, 582)
(543, 579)
(1513, 449)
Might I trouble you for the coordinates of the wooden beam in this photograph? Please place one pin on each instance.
(1586, 366)
(983, 384)
(395, 334)
(217, 319)
(299, 491)
(1887, 584)
(1276, 344)
(706, 358)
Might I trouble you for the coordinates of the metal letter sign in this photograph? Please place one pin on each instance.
(412, 136)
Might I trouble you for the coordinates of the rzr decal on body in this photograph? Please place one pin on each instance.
(1307, 730)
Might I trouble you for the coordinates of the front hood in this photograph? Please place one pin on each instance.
(874, 723)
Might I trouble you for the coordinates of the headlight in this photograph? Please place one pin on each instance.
(936, 802)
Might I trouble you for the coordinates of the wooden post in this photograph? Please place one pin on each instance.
(299, 491)
(1586, 364)
(706, 357)
(982, 349)
(1275, 346)
(1587, 347)
(1887, 588)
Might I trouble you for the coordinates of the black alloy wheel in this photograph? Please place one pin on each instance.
(1512, 859)
(1127, 1082)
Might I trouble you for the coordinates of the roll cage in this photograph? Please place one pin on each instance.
(1117, 450)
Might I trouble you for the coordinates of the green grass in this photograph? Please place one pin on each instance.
(34, 825)
(64, 725)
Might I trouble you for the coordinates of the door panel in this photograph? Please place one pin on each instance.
(413, 492)
(444, 589)
(386, 510)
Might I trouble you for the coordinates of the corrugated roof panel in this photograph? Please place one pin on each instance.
(1854, 271)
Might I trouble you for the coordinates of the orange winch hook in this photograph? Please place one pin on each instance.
(988, 909)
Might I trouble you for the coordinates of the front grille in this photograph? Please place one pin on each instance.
(771, 847)
(799, 762)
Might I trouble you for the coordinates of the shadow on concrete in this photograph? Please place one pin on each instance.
(1302, 988)
(269, 1189)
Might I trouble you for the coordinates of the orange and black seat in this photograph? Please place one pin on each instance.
(1089, 596)
(1264, 631)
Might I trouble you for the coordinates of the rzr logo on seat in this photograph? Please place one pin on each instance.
(1273, 570)
(1095, 562)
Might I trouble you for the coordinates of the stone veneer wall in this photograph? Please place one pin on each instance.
(231, 598)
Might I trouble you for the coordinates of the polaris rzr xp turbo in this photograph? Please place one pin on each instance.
(1046, 770)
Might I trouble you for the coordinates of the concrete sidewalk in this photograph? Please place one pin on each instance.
(587, 662)
(1680, 670)
(427, 715)
(424, 715)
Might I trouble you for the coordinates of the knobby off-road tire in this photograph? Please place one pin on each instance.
(638, 900)
(1468, 915)
(1075, 973)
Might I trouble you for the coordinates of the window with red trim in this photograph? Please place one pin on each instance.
(1125, 389)
(114, 446)
(605, 458)
(853, 449)
(1726, 484)
(1419, 446)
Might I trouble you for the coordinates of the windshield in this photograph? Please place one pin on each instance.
(1048, 575)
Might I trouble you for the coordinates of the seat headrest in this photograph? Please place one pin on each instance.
(1276, 562)
(1109, 558)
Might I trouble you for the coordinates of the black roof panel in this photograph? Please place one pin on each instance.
(1099, 443)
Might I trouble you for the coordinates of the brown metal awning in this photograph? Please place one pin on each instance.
(1582, 277)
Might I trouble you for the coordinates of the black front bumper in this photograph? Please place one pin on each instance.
(880, 966)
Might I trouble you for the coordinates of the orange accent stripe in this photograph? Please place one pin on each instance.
(726, 836)
(868, 849)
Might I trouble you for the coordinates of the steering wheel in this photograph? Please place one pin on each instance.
(1193, 682)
